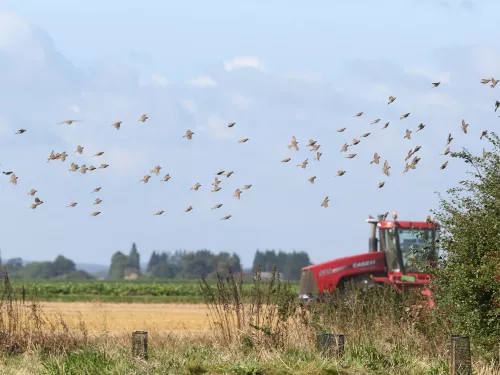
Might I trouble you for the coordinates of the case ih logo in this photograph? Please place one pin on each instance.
(364, 264)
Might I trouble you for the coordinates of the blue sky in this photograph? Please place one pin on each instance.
(278, 69)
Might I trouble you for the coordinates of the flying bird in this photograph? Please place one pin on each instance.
(340, 173)
(32, 192)
(143, 118)
(355, 141)
(79, 149)
(158, 213)
(375, 121)
(341, 130)
(408, 134)
(243, 140)
(13, 179)
(231, 124)
(68, 122)
(350, 156)
(196, 187)
(166, 177)
(420, 127)
(436, 84)
(96, 189)
(95, 213)
(303, 165)
(381, 185)
(386, 125)
(464, 126)
(311, 180)
(145, 179)
(444, 165)
(72, 204)
(188, 135)
(325, 202)
(226, 217)
(497, 105)
(97, 201)
(117, 125)
(156, 170)
(376, 159)
(358, 114)
(188, 209)
(294, 144)
(404, 115)
(217, 206)
(237, 194)
(318, 156)
(20, 131)
(228, 174)
(286, 160)
(391, 99)
(484, 134)
(99, 153)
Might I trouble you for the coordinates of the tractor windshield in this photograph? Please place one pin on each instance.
(416, 247)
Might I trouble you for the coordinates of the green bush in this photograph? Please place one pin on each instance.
(467, 280)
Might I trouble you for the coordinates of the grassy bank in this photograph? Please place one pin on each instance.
(264, 331)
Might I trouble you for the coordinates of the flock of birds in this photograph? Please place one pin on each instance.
(294, 144)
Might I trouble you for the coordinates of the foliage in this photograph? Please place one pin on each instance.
(288, 264)
(467, 281)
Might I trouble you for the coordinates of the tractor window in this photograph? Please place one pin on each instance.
(416, 248)
(388, 246)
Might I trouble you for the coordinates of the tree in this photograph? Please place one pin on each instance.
(134, 260)
(14, 264)
(117, 267)
(154, 260)
(467, 280)
(294, 264)
(63, 266)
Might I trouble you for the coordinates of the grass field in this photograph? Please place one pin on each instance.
(255, 331)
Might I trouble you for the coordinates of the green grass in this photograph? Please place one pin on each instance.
(163, 291)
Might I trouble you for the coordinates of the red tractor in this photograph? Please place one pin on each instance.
(391, 259)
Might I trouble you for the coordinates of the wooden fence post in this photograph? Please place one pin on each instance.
(140, 344)
(331, 345)
(460, 358)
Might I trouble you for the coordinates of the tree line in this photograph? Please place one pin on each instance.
(180, 264)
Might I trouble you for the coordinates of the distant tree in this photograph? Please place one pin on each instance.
(117, 267)
(78, 275)
(154, 260)
(62, 266)
(39, 270)
(14, 264)
(295, 262)
(133, 259)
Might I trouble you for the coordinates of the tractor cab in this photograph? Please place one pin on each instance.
(408, 246)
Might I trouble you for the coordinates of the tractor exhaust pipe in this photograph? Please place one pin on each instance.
(372, 241)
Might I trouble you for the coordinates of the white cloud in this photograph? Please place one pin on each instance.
(240, 101)
(305, 75)
(74, 108)
(203, 81)
(190, 105)
(243, 62)
(159, 80)
(216, 128)
(17, 38)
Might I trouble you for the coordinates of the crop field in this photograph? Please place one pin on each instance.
(118, 318)
(185, 291)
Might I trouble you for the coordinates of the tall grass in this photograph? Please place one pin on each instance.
(384, 330)
(24, 326)
(257, 331)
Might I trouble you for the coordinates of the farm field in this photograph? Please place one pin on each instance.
(183, 291)
(118, 318)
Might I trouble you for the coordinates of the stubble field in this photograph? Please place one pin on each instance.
(118, 318)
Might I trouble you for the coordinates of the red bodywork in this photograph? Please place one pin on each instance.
(328, 275)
